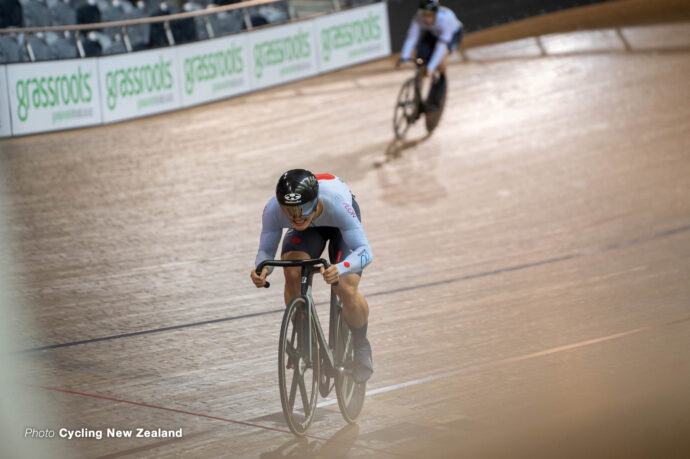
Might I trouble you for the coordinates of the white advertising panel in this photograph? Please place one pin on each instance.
(139, 84)
(5, 126)
(352, 37)
(284, 53)
(214, 69)
(47, 96)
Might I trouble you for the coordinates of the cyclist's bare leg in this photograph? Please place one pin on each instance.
(293, 282)
(292, 275)
(356, 314)
(433, 101)
(355, 306)
(444, 63)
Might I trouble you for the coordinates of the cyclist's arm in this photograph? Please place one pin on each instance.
(360, 257)
(354, 236)
(410, 41)
(271, 231)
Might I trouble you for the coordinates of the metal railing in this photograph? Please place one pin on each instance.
(78, 29)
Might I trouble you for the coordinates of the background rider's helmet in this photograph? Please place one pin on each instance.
(298, 187)
(429, 5)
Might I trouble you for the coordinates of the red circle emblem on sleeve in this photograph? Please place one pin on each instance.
(347, 264)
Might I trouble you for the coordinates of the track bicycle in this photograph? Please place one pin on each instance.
(411, 105)
(307, 362)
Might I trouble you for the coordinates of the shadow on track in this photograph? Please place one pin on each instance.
(336, 446)
(397, 146)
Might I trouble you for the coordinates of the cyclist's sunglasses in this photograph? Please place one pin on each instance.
(307, 208)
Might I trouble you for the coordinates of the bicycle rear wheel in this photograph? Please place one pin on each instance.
(350, 394)
(298, 369)
(405, 109)
(433, 116)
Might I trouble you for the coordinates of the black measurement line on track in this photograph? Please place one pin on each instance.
(146, 332)
(573, 256)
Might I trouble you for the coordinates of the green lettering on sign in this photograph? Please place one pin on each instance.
(211, 66)
(350, 34)
(135, 81)
(281, 50)
(52, 91)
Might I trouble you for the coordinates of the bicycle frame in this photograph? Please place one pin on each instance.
(411, 103)
(306, 275)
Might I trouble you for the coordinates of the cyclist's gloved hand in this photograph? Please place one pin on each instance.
(259, 280)
(331, 274)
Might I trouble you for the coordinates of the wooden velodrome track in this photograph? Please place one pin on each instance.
(530, 292)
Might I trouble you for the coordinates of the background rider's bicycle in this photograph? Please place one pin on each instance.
(307, 362)
(411, 105)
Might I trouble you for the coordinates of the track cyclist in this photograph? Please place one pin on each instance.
(436, 32)
(317, 209)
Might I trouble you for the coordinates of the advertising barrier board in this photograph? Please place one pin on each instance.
(47, 96)
(54, 95)
(139, 84)
(352, 37)
(214, 69)
(282, 54)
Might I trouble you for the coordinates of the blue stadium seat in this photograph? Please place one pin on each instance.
(62, 13)
(36, 14)
(41, 50)
(112, 12)
(138, 34)
(62, 44)
(10, 50)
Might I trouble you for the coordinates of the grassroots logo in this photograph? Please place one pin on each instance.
(350, 34)
(293, 198)
(211, 66)
(137, 80)
(281, 50)
(53, 91)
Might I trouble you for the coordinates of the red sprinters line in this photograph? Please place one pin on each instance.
(174, 410)
(216, 418)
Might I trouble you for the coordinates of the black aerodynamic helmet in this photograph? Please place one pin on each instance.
(429, 5)
(298, 187)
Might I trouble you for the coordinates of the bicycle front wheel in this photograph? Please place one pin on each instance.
(298, 367)
(405, 109)
(350, 394)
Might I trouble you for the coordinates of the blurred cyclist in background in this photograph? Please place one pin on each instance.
(317, 209)
(436, 32)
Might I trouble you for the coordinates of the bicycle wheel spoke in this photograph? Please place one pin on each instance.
(292, 337)
(405, 109)
(305, 397)
(293, 390)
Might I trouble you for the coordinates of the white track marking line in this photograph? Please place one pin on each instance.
(481, 366)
